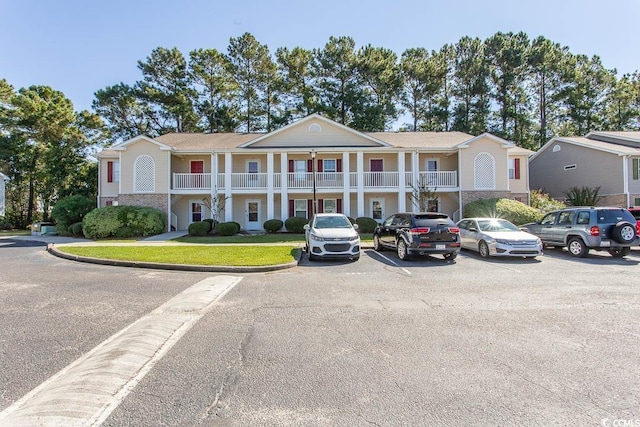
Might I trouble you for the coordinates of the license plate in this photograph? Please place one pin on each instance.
(440, 247)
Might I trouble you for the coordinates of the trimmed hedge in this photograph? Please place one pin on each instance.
(273, 225)
(199, 228)
(123, 221)
(517, 212)
(76, 229)
(295, 224)
(238, 226)
(366, 224)
(227, 228)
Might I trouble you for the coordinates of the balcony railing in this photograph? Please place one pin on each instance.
(304, 180)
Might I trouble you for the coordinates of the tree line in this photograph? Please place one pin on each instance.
(520, 89)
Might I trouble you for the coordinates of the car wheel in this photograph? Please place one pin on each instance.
(623, 232)
(377, 246)
(620, 252)
(450, 256)
(577, 248)
(483, 249)
(402, 250)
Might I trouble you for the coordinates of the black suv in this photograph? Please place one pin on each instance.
(582, 228)
(418, 234)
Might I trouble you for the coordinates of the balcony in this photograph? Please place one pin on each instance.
(437, 180)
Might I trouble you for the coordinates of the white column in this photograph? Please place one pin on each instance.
(284, 187)
(168, 191)
(415, 168)
(360, 170)
(228, 205)
(346, 188)
(402, 183)
(270, 195)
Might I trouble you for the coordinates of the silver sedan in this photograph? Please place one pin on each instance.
(497, 237)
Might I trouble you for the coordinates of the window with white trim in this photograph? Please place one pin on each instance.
(329, 165)
(512, 168)
(484, 172)
(329, 206)
(300, 208)
(144, 174)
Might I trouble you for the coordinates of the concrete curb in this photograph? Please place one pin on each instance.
(51, 248)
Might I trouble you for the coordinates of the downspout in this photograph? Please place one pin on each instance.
(625, 179)
(169, 193)
(99, 183)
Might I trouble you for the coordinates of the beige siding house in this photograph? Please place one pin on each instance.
(609, 160)
(312, 165)
(3, 180)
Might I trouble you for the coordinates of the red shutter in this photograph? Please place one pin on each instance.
(319, 165)
(291, 208)
(320, 205)
(290, 165)
(517, 168)
(109, 171)
(338, 165)
(309, 209)
(309, 165)
(339, 205)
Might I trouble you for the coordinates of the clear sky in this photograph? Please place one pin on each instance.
(79, 47)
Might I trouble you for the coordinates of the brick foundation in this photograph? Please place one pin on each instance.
(158, 201)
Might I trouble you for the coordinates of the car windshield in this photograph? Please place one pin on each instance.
(332, 222)
(496, 225)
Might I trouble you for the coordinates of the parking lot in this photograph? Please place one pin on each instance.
(549, 341)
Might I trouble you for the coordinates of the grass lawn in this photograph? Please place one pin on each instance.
(238, 256)
(15, 233)
(255, 238)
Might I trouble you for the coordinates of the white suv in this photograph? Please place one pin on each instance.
(331, 235)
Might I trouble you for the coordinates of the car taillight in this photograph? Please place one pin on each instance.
(454, 230)
(637, 228)
(595, 230)
(419, 230)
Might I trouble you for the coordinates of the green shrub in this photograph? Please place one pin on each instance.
(123, 221)
(4, 224)
(76, 229)
(227, 228)
(273, 225)
(295, 224)
(583, 196)
(238, 226)
(366, 224)
(512, 210)
(199, 228)
(70, 210)
(209, 221)
(543, 202)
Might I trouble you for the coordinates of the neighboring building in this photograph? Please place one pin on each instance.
(273, 175)
(3, 204)
(608, 160)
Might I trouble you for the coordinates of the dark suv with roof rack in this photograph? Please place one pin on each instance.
(421, 233)
(582, 228)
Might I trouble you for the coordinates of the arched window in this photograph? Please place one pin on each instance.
(144, 175)
(484, 172)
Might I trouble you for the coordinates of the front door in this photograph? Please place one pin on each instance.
(196, 211)
(253, 215)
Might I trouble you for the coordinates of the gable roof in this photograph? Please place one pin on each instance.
(427, 140)
(205, 141)
(123, 145)
(312, 117)
(616, 136)
(503, 142)
(620, 150)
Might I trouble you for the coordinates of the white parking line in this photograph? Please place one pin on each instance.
(393, 262)
(89, 389)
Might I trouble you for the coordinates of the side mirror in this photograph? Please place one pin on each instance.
(473, 229)
(307, 227)
(355, 226)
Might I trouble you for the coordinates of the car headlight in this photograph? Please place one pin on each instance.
(354, 238)
(316, 237)
(503, 241)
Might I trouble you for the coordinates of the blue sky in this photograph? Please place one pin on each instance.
(79, 47)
